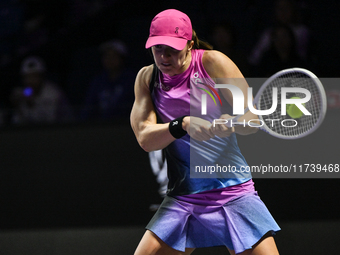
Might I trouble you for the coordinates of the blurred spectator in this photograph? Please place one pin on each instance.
(34, 31)
(80, 10)
(285, 13)
(34, 35)
(11, 17)
(224, 39)
(38, 100)
(42, 21)
(110, 94)
(281, 54)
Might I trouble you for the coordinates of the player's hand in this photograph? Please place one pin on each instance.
(221, 130)
(197, 128)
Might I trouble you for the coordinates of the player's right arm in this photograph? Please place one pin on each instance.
(150, 135)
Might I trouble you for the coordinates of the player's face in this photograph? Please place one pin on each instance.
(170, 60)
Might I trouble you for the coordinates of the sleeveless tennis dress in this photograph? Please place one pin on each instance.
(212, 210)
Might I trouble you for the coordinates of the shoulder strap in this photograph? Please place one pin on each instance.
(154, 77)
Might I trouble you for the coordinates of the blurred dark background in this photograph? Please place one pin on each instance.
(87, 171)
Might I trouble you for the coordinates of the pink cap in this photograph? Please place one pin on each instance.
(170, 27)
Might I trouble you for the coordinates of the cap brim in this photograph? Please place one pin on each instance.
(176, 43)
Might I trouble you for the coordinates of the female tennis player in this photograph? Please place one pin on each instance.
(196, 212)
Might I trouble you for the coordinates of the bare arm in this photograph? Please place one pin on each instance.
(150, 135)
(223, 70)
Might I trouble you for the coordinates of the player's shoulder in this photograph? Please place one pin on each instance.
(217, 64)
(215, 57)
(144, 75)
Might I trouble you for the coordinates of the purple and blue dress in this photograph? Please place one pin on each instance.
(202, 209)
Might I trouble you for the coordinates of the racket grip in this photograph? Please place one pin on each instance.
(228, 122)
(231, 122)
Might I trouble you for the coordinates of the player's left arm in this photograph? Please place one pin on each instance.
(224, 71)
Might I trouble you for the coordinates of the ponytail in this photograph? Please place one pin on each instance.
(199, 44)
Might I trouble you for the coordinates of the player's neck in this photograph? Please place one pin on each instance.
(185, 65)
